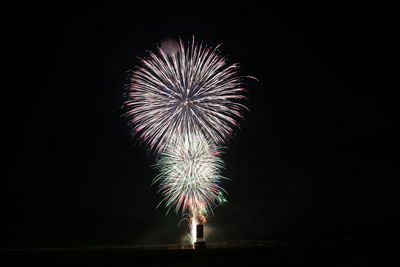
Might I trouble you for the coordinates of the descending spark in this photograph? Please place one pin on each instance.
(183, 90)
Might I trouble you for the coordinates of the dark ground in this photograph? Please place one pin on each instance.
(344, 252)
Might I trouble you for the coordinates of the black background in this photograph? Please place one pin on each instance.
(316, 156)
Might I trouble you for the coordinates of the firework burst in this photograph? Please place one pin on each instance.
(189, 178)
(184, 90)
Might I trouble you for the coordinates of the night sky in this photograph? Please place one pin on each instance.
(316, 156)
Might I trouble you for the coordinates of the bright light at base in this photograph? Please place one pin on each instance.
(193, 225)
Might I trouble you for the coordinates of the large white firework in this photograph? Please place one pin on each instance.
(189, 176)
(184, 89)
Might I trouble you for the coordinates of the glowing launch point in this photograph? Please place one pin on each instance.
(200, 243)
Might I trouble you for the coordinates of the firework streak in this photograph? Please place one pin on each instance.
(184, 102)
(189, 174)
